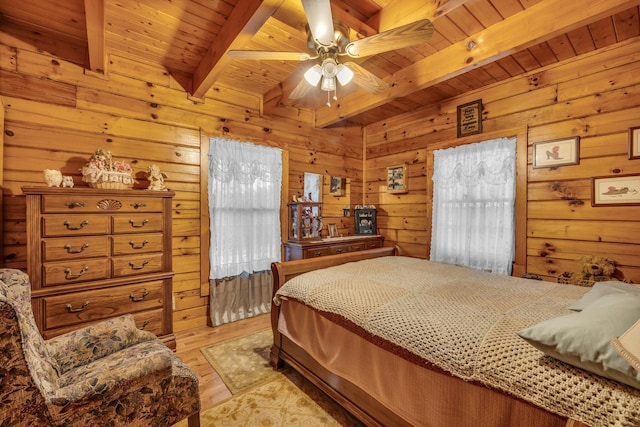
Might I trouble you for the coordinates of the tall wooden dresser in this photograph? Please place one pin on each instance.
(96, 254)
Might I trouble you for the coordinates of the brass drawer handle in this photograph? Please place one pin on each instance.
(72, 205)
(133, 223)
(68, 275)
(134, 299)
(133, 266)
(318, 253)
(70, 308)
(80, 227)
(133, 244)
(144, 325)
(138, 205)
(77, 251)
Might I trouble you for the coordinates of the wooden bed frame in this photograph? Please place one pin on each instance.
(355, 400)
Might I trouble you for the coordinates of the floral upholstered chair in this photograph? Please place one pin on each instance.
(109, 373)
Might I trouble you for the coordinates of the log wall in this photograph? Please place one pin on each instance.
(56, 114)
(593, 97)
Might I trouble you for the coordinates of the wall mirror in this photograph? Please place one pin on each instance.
(313, 186)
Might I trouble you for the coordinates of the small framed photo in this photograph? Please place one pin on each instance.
(559, 152)
(634, 142)
(336, 186)
(397, 179)
(333, 230)
(615, 190)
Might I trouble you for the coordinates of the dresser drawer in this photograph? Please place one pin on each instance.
(86, 306)
(136, 264)
(137, 223)
(89, 204)
(316, 252)
(65, 272)
(373, 244)
(150, 321)
(342, 249)
(73, 248)
(74, 225)
(136, 243)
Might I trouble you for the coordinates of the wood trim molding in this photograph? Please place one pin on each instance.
(204, 215)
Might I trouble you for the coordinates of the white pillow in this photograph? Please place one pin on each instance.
(584, 339)
(628, 345)
(601, 289)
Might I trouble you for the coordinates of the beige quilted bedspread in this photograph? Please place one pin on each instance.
(465, 322)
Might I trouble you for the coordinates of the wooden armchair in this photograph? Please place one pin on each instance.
(110, 373)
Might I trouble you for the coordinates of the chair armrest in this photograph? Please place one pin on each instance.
(144, 365)
(85, 345)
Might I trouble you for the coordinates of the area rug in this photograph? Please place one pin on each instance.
(243, 363)
(287, 401)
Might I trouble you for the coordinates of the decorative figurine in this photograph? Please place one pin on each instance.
(67, 181)
(52, 177)
(156, 179)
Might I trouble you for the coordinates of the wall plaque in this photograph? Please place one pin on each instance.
(470, 118)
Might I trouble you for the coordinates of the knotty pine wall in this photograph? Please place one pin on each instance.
(595, 97)
(56, 114)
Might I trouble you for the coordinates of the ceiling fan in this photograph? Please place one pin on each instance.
(329, 41)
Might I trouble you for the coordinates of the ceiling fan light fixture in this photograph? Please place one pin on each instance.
(344, 74)
(328, 84)
(329, 67)
(313, 75)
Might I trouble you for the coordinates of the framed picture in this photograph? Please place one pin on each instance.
(470, 118)
(397, 179)
(634, 143)
(333, 230)
(559, 152)
(615, 190)
(336, 186)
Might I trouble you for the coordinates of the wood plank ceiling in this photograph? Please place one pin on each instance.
(475, 43)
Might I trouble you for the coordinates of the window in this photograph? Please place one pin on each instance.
(244, 201)
(473, 221)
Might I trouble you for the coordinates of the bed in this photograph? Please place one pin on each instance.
(446, 355)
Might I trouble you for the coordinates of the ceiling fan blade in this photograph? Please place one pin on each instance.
(320, 20)
(302, 89)
(367, 80)
(397, 38)
(267, 55)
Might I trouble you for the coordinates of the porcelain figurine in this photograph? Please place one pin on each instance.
(52, 177)
(156, 179)
(67, 181)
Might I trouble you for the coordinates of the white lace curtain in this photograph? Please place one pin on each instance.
(473, 222)
(244, 202)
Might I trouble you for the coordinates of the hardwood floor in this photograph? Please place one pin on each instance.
(189, 343)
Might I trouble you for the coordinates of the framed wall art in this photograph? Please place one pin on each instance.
(634, 142)
(336, 186)
(470, 118)
(615, 190)
(333, 230)
(558, 152)
(397, 179)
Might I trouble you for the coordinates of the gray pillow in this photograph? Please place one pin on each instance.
(583, 339)
(601, 289)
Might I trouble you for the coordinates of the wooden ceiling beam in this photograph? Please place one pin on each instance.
(540, 22)
(94, 16)
(402, 12)
(247, 18)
